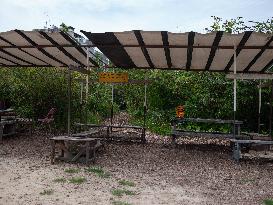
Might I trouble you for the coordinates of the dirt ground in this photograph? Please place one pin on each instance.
(203, 174)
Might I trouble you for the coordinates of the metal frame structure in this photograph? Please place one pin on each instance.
(248, 52)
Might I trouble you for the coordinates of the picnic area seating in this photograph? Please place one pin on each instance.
(72, 148)
(114, 132)
(237, 145)
(8, 123)
(186, 133)
(11, 124)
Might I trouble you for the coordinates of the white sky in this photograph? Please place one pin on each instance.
(124, 15)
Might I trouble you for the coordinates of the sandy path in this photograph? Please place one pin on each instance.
(163, 175)
(23, 180)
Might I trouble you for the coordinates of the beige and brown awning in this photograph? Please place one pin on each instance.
(186, 51)
(141, 49)
(41, 49)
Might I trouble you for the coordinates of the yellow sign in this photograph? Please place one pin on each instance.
(180, 111)
(106, 77)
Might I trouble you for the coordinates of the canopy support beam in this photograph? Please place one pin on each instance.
(270, 116)
(145, 110)
(112, 105)
(69, 101)
(234, 92)
(260, 104)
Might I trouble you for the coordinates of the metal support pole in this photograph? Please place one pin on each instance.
(87, 77)
(260, 104)
(270, 117)
(81, 93)
(234, 93)
(112, 105)
(87, 83)
(145, 110)
(81, 102)
(69, 101)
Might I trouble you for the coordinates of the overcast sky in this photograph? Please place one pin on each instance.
(124, 15)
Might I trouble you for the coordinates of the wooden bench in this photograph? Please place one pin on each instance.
(235, 124)
(237, 145)
(112, 129)
(85, 134)
(7, 128)
(87, 146)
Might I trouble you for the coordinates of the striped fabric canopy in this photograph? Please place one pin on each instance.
(186, 51)
(41, 49)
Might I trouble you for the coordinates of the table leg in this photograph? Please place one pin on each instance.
(143, 134)
(108, 132)
(53, 145)
(87, 152)
(239, 130)
(173, 135)
(1, 133)
(94, 155)
(237, 151)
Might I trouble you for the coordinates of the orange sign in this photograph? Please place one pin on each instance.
(180, 111)
(106, 77)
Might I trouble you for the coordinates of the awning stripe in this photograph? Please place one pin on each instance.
(117, 55)
(68, 38)
(40, 49)
(9, 60)
(238, 50)
(144, 50)
(165, 40)
(213, 50)
(190, 49)
(16, 57)
(258, 55)
(3, 39)
(269, 65)
(61, 49)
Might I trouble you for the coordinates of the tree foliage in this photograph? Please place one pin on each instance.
(238, 25)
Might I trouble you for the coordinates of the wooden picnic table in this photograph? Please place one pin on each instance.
(235, 125)
(89, 145)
